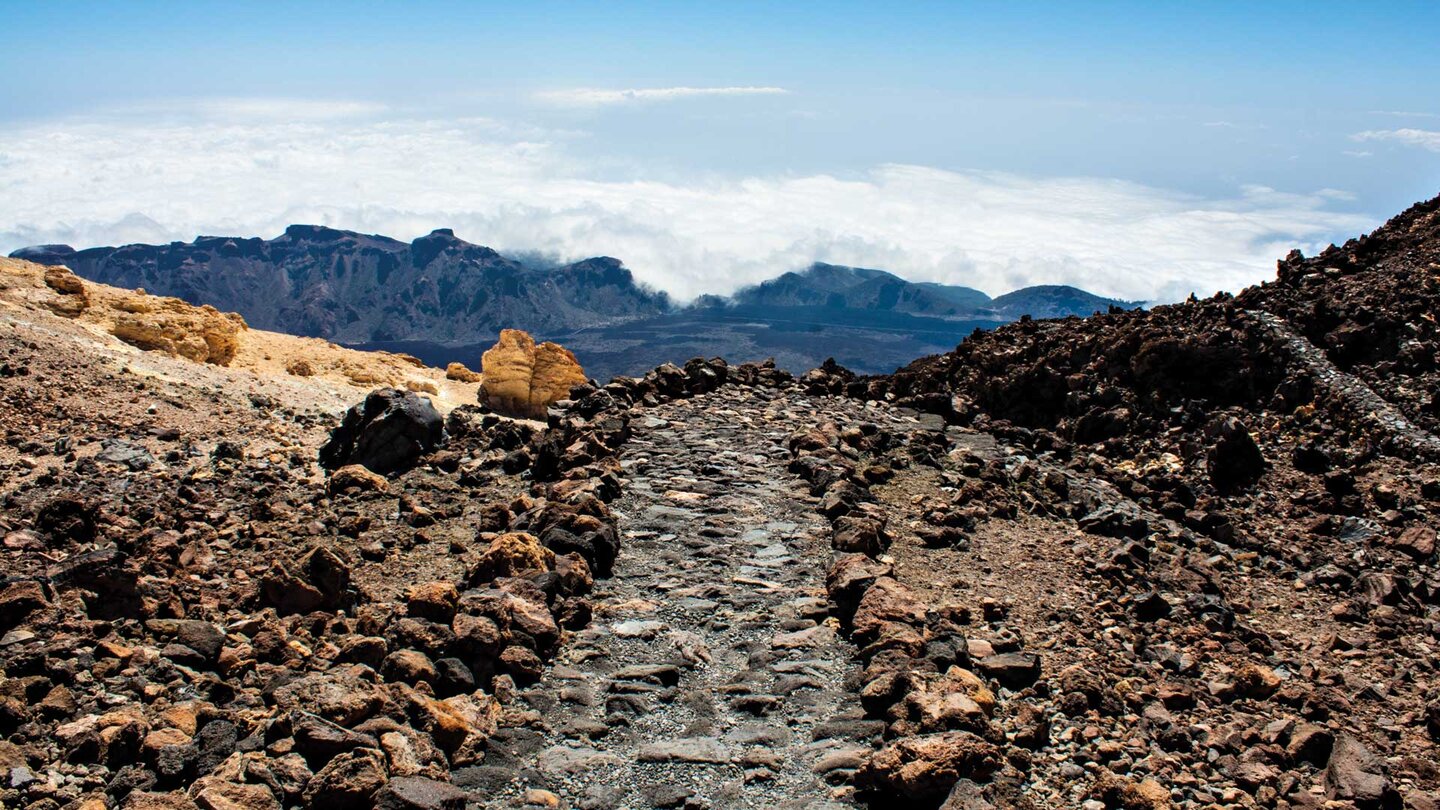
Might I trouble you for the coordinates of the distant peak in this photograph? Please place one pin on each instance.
(440, 236)
(36, 252)
(316, 233)
(599, 261)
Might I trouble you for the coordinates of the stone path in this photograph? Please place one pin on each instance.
(709, 677)
(1366, 404)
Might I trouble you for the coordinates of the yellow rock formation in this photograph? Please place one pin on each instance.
(511, 554)
(459, 372)
(203, 334)
(296, 370)
(522, 379)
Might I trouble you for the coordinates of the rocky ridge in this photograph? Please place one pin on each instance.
(357, 288)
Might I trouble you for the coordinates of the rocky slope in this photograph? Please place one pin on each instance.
(155, 336)
(1183, 558)
(1371, 305)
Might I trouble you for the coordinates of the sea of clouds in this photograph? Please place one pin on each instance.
(250, 167)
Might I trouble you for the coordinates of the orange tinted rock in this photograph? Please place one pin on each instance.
(522, 379)
(357, 477)
(556, 372)
(460, 373)
(927, 766)
(203, 334)
(510, 554)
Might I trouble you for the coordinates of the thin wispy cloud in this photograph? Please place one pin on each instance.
(1423, 138)
(284, 109)
(597, 97)
(129, 179)
(1405, 114)
(1233, 125)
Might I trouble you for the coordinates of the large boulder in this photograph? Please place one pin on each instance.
(1234, 461)
(386, 433)
(522, 379)
(1355, 774)
(511, 554)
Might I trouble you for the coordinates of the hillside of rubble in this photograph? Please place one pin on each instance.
(1176, 558)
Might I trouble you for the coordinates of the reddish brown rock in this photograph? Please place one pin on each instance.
(509, 555)
(927, 766)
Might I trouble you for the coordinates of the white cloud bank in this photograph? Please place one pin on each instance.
(596, 97)
(1423, 138)
(125, 180)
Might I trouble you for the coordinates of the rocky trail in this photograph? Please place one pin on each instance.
(710, 677)
(1175, 558)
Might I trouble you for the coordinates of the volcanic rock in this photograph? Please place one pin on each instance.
(386, 433)
(509, 555)
(926, 767)
(1235, 461)
(419, 793)
(203, 334)
(1356, 775)
(458, 371)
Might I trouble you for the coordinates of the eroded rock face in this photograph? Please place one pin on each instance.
(386, 433)
(72, 298)
(203, 334)
(523, 379)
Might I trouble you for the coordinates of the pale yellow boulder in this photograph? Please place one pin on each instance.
(72, 298)
(460, 373)
(522, 379)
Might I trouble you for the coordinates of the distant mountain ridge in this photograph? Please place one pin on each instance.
(839, 287)
(441, 297)
(355, 288)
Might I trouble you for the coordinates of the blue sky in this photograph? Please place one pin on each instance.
(1142, 149)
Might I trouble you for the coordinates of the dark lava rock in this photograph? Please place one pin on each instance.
(386, 433)
(419, 793)
(1235, 461)
(68, 517)
(1356, 774)
(1012, 670)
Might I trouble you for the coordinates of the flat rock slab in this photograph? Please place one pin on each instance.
(801, 639)
(696, 749)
